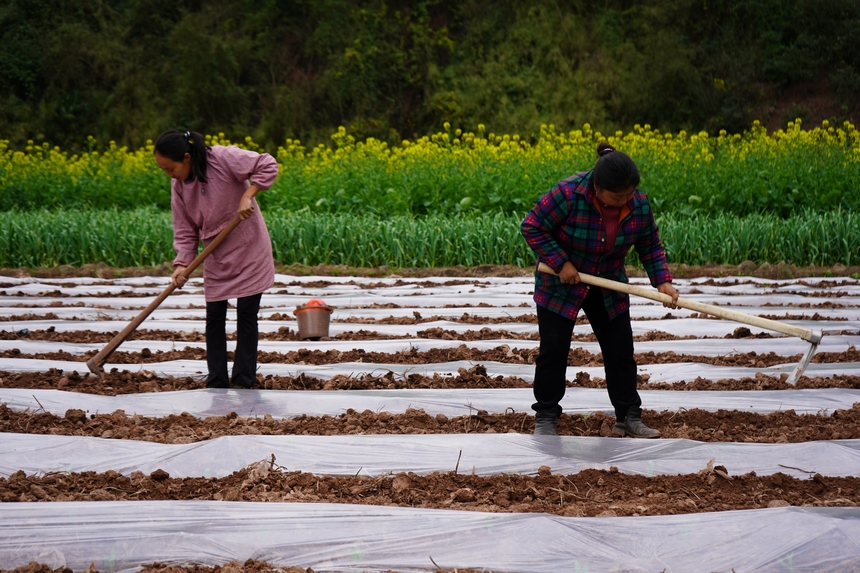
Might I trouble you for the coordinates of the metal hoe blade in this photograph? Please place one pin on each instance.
(801, 366)
(96, 363)
(95, 367)
(804, 334)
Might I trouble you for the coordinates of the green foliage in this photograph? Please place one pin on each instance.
(40, 177)
(807, 238)
(141, 237)
(365, 241)
(144, 237)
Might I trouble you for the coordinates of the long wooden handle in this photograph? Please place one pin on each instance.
(95, 363)
(768, 324)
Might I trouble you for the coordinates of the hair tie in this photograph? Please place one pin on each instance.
(606, 151)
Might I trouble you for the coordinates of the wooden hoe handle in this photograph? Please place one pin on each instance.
(803, 333)
(95, 363)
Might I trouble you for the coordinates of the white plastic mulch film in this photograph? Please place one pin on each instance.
(373, 455)
(331, 537)
(121, 536)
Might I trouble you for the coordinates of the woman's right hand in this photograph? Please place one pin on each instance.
(178, 278)
(569, 274)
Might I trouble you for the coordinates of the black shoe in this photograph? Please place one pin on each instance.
(632, 426)
(241, 385)
(217, 383)
(545, 423)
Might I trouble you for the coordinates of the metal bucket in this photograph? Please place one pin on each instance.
(313, 321)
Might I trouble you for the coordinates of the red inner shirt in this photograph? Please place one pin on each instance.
(610, 222)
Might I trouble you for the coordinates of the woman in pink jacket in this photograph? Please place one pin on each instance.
(210, 186)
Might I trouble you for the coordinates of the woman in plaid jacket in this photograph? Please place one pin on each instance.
(588, 223)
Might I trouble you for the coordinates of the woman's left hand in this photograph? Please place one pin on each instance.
(668, 289)
(246, 207)
(246, 203)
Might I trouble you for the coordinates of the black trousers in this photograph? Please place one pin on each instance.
(616, 344)
(245, 357)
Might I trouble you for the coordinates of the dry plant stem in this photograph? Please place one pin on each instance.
(436, 564)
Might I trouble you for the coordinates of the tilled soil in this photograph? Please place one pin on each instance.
(693, 424)
(249, 566)
(588, 493)
(746, 268)
(503, 353)
(115, 382)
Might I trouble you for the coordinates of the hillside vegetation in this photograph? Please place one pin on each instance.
(124, 70)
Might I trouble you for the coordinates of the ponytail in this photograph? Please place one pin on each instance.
(174, 144)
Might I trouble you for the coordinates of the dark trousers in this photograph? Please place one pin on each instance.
(245, 357)
(616, 344)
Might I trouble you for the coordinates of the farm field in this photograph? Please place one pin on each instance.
(402, 441)
(408, 152)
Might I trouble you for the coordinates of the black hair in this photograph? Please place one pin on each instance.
(174, 144)
(614, 170)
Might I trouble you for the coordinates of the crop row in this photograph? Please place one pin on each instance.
(143, 237)
(452, 172)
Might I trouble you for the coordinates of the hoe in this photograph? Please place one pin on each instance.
(812, 337)
(96, 363)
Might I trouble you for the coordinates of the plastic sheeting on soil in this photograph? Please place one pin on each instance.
(373, 455)
(119, 536)
(694, 347)
(102, 309)
(127, 308)
(416, 292)
(451, 402)
(123, 535)
(691, 347)
(700, 327)
(725, 285)
(677, 372)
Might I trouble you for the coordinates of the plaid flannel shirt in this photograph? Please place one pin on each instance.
(566, 225)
